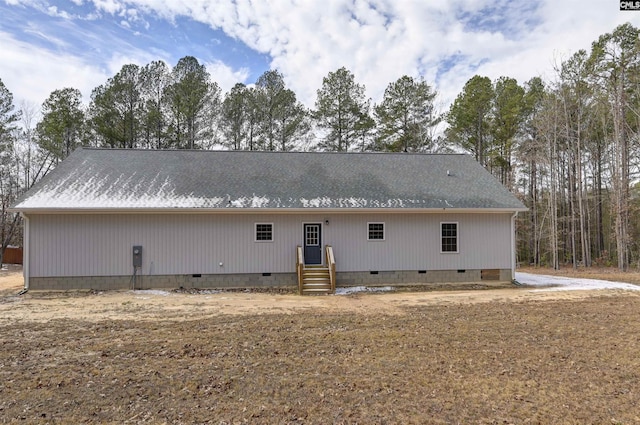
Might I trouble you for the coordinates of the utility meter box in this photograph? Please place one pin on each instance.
(137, 256)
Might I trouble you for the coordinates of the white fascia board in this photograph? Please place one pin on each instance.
(268, 210)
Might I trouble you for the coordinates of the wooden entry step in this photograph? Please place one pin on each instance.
(316, 280)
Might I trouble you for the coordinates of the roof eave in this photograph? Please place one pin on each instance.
(262, 210)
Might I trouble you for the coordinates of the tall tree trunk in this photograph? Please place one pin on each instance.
(533, 193)
(584, 245)
(620, 176)
(553, 199)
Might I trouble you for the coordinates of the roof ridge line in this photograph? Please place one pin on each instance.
(102, 148)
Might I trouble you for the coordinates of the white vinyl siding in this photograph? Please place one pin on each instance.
(100, 244)
(414, 243)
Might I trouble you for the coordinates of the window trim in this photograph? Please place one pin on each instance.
(457, 251)
(255, 232)
(384, 231)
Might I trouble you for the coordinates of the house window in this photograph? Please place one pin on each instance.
(376, 231)
(264, 232)
(449, 234)
(312, 235)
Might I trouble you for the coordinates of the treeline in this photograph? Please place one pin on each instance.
(578, 158)
(567, 147)
(158, 107)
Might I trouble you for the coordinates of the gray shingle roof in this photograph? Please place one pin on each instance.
(103, 179)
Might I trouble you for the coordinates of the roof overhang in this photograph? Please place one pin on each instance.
(29, 211)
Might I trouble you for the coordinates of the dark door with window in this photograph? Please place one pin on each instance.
(312, 243)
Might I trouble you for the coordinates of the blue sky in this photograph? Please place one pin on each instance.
(48, 45)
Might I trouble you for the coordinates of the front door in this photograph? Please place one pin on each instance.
(312, 243)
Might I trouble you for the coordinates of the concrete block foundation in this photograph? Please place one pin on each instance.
(265, 280)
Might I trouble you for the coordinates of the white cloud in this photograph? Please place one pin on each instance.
(33, 29)
(130, 57)
(34, 73)
(53, 11)
(225, 76)
(447, 42)
(379, 41)
(109, 6)
(18, 2)
(379, 44)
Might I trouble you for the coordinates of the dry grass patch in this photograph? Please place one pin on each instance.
(564, 361)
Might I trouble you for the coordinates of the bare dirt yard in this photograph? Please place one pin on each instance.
(494, 355)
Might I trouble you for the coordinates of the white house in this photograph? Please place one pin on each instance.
(109, 218)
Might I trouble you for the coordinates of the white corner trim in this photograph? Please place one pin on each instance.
(25, 252)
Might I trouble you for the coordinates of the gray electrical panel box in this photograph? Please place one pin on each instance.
(137, 256)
